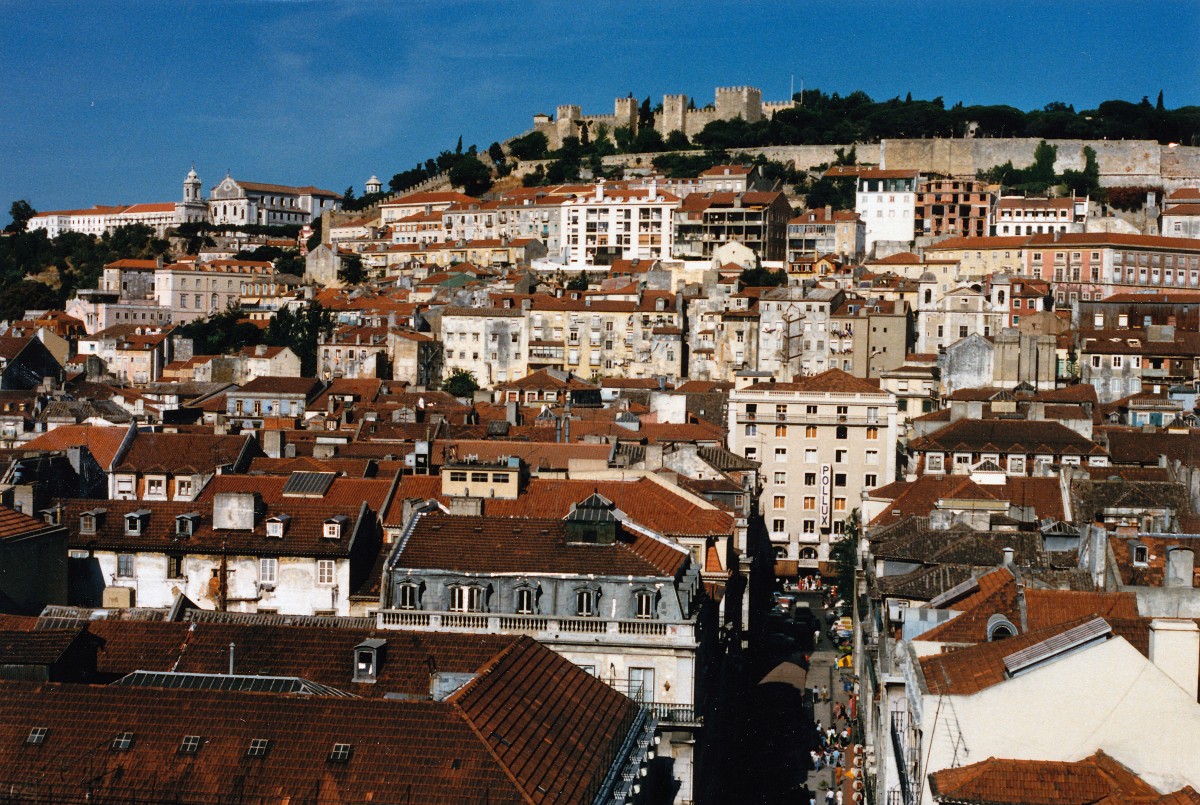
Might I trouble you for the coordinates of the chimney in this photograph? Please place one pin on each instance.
(512, 413)
(1180, 562)
(1008, 557)
(828, 212)
(654, 457)
(260, 350)
(234, 511)
(1175, 650)
(600, 190)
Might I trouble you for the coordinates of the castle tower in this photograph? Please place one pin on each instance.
(625, 110)
(373, 185)
(191, 187)
(743, 102)
(674, 114)
(565, 121)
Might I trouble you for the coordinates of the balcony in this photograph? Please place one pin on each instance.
(550, 629)
(901, 753)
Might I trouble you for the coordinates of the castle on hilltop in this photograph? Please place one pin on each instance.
(675, 115)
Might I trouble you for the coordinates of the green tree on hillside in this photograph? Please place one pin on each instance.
(20, 212)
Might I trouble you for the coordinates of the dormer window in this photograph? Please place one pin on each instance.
(277, 525)
(334, 525)
(367, 658)
(1141, 555)
(89, 521)
(135, 522)
(185, 524)
(645, 608)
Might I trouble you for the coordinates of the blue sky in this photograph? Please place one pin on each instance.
(111, 102)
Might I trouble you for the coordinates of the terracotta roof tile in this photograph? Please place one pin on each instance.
(1009, 782)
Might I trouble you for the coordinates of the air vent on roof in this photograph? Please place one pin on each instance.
(1094, 631)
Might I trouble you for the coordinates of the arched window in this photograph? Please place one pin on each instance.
(808, 553)
(645, 603)
(525, 600)
(1000, 628)
(928, 296)
(587, 602)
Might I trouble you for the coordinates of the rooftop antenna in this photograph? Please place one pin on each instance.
(231, 645)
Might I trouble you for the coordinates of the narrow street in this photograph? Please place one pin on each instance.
(767, 728)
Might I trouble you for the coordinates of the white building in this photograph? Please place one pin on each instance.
(822, 441)
(240, 203)
(622, 224)
(100, 219)
(886, 201)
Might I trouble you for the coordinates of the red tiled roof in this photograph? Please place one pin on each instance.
(646, 501)
(831, 380)
(1095, 779)
(102, 442)
(529, 723)
(512, 545)
(181, 453)
(14, 524)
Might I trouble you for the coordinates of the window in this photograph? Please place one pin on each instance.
(258, 747)
(872, 456)
(839, 504)
(839, 456)
(174, 567)
(779, 502)
(585, 603)
(870, 480)
(1141, 554)
(340, 753)
(810, 527)
(839, 479)
(645, 605)
(524, 601)
(935, 462)
(781, 454)
(811, 410)
(781, 477)
(268, 570)
(37, 736)
(190, 745)
(408, 596)
(458, 477)
(183, 487)
(125, 565)
(778, 525)
(810, 456)
(641, 684)
(466, 599)
(333, 530)
(1095, 361)
(810, 478)
(810, 432)
(781, 431)
(752, 430)
(123, 742)
(872, 433)
(325, 571)
(154, 486)
(842, 432)
(751, 411)
(810, 502)
(1116, 361)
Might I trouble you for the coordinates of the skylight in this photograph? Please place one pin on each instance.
(123, 742)
(190, 745)
(340, 753)
(37, 736)
(258, 747)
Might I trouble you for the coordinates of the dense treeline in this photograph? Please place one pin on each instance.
(228, 332)
(37, 272)
(826, 119)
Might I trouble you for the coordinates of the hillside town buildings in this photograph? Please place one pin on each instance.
(562, 460)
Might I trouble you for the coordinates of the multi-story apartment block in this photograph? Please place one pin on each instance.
(822, 441)
(794, 330)
(591, 336)
(868, 337)
(824, 231)
(424, 202)
(1091, 266)
(1181, 221)
(354, 352)
(621, 224)
(886, 200)
(420, 228)
(193, 291)
(954, 207)
(728, 179)
(975, 258)
(478, 220)
(254, 203)
(756, 219)
(491, 343)
(1018, 215)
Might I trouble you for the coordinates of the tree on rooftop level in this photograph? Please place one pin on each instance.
(300, 333)
(645, 114)
(677, 141)
(221, 333)
(352, 271)
(472, 176)
(759, 277)
(844, 554)
(461, 383)
(533, 145)
(578, 283)
(348, 197)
